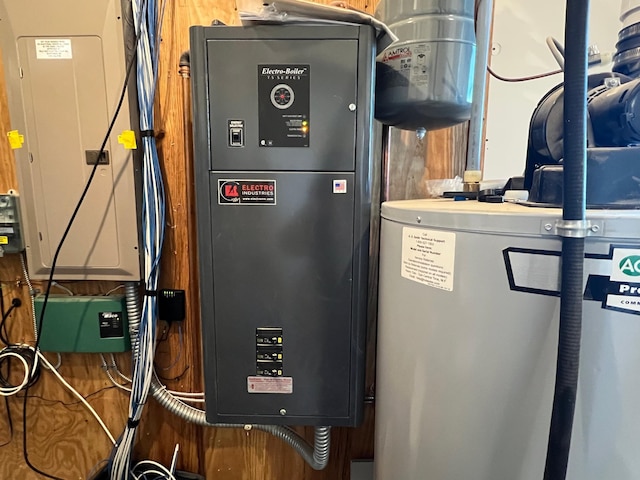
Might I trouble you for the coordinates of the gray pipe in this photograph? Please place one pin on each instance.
(317, 456)
(484, 16)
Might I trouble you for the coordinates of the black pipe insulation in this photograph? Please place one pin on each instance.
(575, 142)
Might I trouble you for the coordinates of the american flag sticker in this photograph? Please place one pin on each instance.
(339, 186)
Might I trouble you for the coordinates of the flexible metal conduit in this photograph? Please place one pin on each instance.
(574, 215)
(317, 456)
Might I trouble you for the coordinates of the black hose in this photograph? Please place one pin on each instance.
(575, 141)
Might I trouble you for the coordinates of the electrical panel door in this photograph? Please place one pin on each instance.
(64, 79)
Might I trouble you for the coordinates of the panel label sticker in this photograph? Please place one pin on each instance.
(284, 105)
(246, 192)
(428, 257)
(6, 231)
(111, 325)
(4, 240)
(53, 49)
(281, 385)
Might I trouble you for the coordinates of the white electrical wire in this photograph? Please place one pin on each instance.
(161, 472)
(9, 391)
(114, 365)
(78, 396)
(106, 367)
(186, 397)
(114, 290)
(62, 287)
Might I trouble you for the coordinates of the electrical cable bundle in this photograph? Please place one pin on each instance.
(146, 15)
(28, 360)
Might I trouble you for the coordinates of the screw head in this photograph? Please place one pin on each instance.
(548, 227)
(248, 427)
(283, 411)
(419, 219)
(352, 107)
(595, 228)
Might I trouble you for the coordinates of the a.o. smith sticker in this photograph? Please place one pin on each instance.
(246, 192)
(613, 279)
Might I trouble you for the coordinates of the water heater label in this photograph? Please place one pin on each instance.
(282, 385)
(246, 192)
(428, 257)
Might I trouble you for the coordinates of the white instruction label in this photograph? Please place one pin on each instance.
(53, 49)
(428, 257)
(282, 385)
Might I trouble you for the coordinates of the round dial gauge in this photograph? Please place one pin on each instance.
(282, 96)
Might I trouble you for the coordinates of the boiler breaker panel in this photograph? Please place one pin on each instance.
(284, 175)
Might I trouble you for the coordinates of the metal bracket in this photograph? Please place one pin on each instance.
(574, 228)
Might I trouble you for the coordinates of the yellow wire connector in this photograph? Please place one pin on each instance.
(128, 139)
(15, 139)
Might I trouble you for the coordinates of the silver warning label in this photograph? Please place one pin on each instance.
(282, 385)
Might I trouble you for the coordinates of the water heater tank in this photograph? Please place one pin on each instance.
(468, 335)
(425, 80)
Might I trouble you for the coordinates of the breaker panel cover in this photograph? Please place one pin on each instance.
(64, 78)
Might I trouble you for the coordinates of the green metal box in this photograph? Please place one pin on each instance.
(89, 324)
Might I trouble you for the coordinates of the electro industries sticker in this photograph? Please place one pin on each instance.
(246, 192)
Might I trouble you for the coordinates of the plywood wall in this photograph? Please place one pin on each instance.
(63, 439)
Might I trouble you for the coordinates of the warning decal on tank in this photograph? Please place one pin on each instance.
(246, 192)
(428, 257)
(282, 385)
(613, 279)
(413, 62)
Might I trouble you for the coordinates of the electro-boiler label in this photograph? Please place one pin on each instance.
(247, 192)
(428, 257)
(283, 105)
(281, 385)
(53, 49)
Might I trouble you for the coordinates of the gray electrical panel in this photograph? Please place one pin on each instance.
(64, 64)
(283, 163)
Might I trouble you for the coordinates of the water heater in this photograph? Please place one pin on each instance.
(283, 165)
(468, 335)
